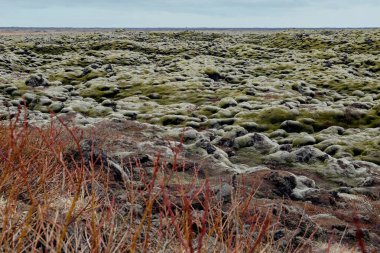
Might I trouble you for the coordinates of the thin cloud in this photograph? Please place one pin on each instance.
(242, 13)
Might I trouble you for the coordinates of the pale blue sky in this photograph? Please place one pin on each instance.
(190, 13)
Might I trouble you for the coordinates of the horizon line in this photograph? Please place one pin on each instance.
(185, 27)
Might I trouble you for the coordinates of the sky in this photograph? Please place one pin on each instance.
(190, 13)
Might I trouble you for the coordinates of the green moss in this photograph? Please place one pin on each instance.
(100, 88)
(97, 112)
(303, 141)
(372, 119)
(21, 89)
(248, 156)
(21, 86)
(268, 118)
(325, 118)
(172, 120)
(43, 109)
(375, 68)
(168, 93)
(97, 94)
(210, 71)
(77, 76)
(147, 89)
(347, 86)
(52, 49)
(373, 158)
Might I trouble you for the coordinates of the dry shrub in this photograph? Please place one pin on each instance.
(54, 202)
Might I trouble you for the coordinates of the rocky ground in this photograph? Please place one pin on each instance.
(294, 114)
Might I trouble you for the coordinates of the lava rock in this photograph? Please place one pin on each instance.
(36, 80)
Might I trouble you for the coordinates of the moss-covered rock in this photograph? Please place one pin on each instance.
(219, 123)
(373, 157)
(56, 107)
(271, 116)
(173, 120)
(303, 140)
(256, 140)
(36, 80)
(99, 88)
(292, 126)
(227, 102)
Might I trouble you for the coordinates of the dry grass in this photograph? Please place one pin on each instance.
(52, 201)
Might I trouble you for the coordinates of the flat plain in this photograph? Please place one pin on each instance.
(291, 115)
